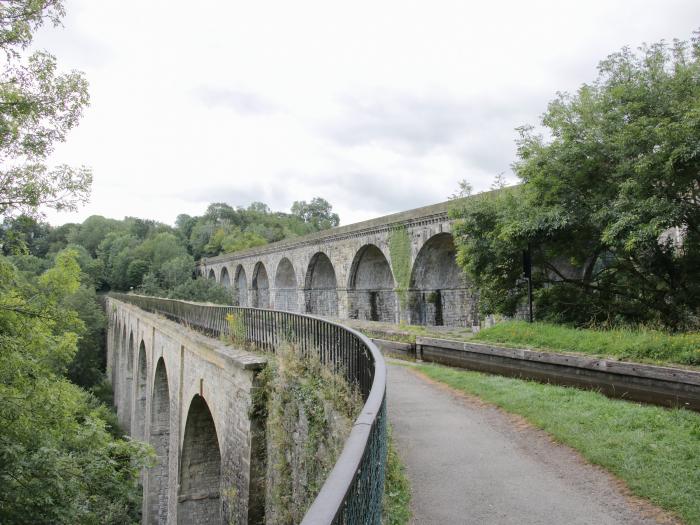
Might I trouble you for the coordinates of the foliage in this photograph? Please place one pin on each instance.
(310, 411)
(628, 344)
(38, 107)
(201, 290)
(59, 462)
(318, 213)
(397, 489)
(654, 450)
(400, 253)
(610, 204)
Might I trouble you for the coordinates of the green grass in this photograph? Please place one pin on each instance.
(634, 345)
(397, 490)
(656, 451)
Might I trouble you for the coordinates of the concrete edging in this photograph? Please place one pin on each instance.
(658, 385)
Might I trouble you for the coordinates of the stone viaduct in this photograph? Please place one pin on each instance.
(397, 268)
(190, 397)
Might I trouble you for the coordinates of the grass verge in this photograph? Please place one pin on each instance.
(655, 451)
(627, 344)
(397, 490)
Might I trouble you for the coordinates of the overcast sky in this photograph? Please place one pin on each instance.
(377, 106)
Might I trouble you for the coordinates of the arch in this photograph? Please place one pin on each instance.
(128, 383)
(438, 292)
(116, 350)
(371, 292)
(321, 286)
(260, 287)
(158, 475)
(212, 274)
(240, 287)
(140, 399)
(286, 287)
(224, 278)
(199, 498)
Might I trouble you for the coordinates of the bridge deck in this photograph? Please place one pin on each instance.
(469, 463)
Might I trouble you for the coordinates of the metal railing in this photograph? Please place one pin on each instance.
(353, 491)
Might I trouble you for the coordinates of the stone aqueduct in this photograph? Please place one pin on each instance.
(400, 267)
(190, 397)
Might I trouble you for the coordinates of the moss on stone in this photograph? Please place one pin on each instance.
(400, 252)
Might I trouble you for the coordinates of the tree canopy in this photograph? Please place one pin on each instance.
(609, 202)
(38, 106)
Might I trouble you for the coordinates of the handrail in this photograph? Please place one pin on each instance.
(353, 491)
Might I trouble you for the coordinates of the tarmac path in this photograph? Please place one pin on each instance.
(469, 462)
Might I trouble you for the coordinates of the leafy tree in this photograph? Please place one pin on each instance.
(92, 232)
(59, 461)
(610, 204)
(38, 106)
(318, 212)
(202, 290)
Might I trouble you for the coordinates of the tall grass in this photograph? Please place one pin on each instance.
(626, 344)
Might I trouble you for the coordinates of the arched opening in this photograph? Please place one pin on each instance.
(321, 287)
(128, 384)
(212, 274)
(158, 475)
(225, 280)
(240, 288)
(140, 400)
(116, 350)
(371, 293)
(286, 287)
(200, 468)
(260, 287)
(438, 292)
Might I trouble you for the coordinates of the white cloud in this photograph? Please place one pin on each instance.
(376, 106)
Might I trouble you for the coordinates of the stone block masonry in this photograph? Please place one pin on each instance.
(190, 397)
(398, 268)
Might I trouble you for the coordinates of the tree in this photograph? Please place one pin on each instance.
(610, 204)
(318, 212)
(38, 107)
(59, 460)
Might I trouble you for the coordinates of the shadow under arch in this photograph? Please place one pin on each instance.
(224, 278)
(286, 286)
(240, 287)
(438, 292)
(371, 294)
(260, 286)
(139, 430)
(321, 286)
(199, 495)
(159, 474)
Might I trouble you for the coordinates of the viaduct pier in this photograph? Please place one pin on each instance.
(397, 268)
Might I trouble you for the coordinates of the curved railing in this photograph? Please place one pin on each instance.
(353, 491)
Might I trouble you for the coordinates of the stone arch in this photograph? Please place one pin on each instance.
(224, 278)
(199, 499)
(212, 274)
(240, 287)
(158, 475)
(116, 351)
(286, 286)
(128, 382)
(260, 286)
(139, 429)
(321, 286)
(438, 292)
(371, 292)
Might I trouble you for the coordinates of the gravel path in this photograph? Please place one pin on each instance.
(469, 462)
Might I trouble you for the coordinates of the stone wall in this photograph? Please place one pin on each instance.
(190, 397)
(350, 272)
